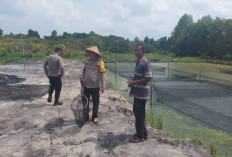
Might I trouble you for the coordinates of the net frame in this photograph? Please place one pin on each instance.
(77, 106)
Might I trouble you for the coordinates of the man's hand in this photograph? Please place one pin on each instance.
(102, 90)
(132, 84)
(81, 80)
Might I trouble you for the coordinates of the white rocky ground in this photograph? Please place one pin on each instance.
(31, 127)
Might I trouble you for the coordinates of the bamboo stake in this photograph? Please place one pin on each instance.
(23, 50)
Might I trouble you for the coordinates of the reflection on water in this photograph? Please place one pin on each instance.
(190, 109)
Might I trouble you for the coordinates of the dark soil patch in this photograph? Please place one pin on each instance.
(18, 92)
(9, 79)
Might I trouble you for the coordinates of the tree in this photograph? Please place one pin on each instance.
(183, 23)
(66, 35)
(136, 39)
(54, 34)
(91, 33)
(1, 32)
(146, 39)
(32, 33)
(162, 43)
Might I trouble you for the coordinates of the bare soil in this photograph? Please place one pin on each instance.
(31, 127)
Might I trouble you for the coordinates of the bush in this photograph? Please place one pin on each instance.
(159, 122)
(197, 141)
(48, 53)
(150, 118)
(204, 56)
(68, 53)
(228, 57)
(213, 149)
(27, 53)
(3, 54)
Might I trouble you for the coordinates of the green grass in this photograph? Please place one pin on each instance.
(181, 127)
(17, 57)
(191, 60)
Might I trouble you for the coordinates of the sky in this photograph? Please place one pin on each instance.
(124, 18)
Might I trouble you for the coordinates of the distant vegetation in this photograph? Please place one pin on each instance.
(207, 39)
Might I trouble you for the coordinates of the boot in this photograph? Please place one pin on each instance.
(57, 103)
(57, 97)
(50, 99)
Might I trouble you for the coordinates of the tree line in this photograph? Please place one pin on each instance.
(208, 38)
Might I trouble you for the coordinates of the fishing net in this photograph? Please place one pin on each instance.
(122, 69)
(78, 106)
(201, 92)
(200, 95)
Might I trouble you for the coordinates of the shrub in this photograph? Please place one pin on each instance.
(159, 122)
(197, 141)
(228, 57)
(204, 56)
(3, 54)
(213, 149)
(27, 53)
(150, 119)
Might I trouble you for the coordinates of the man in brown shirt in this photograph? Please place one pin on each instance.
(93, 80)
(53, 68)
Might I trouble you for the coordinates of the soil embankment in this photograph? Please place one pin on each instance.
(31, 127)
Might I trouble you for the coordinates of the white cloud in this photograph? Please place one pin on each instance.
(130, 18)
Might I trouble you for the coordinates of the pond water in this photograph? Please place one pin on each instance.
(191, 108)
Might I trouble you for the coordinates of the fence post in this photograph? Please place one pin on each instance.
(23, 50)
(200, 71)
(151, 85)
(168, 64)
(115, 73)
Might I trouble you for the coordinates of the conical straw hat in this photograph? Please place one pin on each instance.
(93, 49)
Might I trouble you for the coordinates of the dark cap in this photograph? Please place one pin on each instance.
(57, 49)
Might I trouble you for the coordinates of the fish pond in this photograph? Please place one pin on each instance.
(193, 101)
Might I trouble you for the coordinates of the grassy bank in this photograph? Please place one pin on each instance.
(18, 57)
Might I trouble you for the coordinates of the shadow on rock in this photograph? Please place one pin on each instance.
(110, 140)
(32, 152)
(18, 92)
(62, 128)
(33, 106)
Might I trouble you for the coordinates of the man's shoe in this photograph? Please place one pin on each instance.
(145, 136)
(95, 120)
(136, 140)
(49, 99)
(58, 103)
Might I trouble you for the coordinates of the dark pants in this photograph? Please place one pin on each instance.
(139, 112)
(94, 92)
(55, 83)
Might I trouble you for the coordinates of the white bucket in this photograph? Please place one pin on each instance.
(123, 86)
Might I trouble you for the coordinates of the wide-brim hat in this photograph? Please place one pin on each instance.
(93, 49)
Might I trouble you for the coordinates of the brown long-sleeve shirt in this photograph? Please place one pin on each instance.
(92, 74)
(53, 65)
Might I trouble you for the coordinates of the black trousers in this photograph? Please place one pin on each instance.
(55, 83)
(139, 112)
(94, 93)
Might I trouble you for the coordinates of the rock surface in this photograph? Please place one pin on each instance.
(31, 127)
